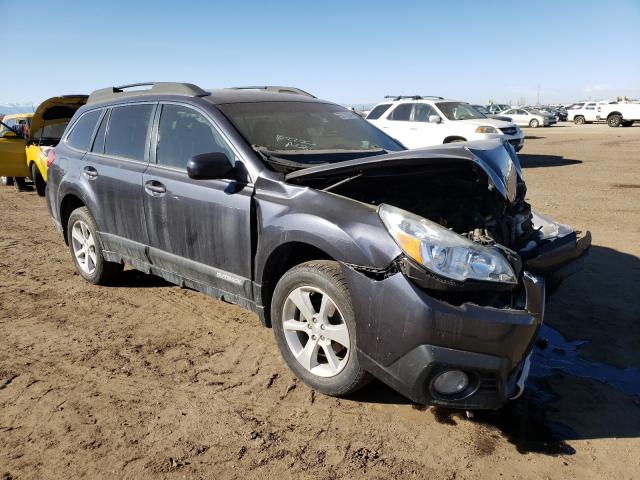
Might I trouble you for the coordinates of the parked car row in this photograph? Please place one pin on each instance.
(25, 140)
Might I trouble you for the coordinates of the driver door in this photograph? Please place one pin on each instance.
(13, 157)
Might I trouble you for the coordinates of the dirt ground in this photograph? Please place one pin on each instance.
(148, 380)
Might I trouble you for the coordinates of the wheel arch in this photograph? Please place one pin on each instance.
(453, 138)
(281, 259)
(69, 203)
(615, 112)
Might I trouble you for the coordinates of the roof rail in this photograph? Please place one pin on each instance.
(412, 97)
(157, 88)
(276, 89)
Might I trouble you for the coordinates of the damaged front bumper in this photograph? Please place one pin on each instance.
(407, 337)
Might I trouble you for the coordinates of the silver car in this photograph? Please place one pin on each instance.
(530, 117)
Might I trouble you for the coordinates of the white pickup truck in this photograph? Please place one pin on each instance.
(619, 114)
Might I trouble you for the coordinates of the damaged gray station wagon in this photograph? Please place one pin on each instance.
(426, 269)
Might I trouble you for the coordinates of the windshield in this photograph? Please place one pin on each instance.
(309, 127)
(459, 111)
(481, 109)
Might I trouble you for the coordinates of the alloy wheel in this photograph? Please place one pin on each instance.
(84, 247)
(315, 331)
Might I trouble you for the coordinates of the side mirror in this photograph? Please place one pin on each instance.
(210, 166)
(434, 119)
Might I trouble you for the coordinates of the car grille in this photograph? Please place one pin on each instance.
(509, 130)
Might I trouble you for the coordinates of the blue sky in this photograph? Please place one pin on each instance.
(349, 52)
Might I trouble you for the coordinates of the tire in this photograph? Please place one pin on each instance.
(6, 181)
(20, 183)
(38, 180)
(85, 242)
(331, 368)
(534, 123)
(628, 123)
(579, 120)
(614, 120)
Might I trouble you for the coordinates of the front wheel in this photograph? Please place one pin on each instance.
(86, 249)
(614, 120)
(38, 180)
(534, 123)
(315, 328)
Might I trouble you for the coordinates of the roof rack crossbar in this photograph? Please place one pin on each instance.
(412, 97)
(276, 89)
(166, 88)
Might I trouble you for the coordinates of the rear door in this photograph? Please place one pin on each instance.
(590, 112)
(113, 170)
(199, 229)
(409, 123)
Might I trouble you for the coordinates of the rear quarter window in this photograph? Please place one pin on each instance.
(82, 131)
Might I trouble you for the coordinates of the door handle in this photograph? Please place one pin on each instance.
(90, 172)
(155, 188)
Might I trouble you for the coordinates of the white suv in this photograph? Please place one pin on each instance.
(585, 112)
(424, 121)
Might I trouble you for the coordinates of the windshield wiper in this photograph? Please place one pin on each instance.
(279, 164)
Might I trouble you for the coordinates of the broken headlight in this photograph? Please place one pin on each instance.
(445, 252)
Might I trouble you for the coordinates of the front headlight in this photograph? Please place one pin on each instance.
(445, 252)
(486, 129)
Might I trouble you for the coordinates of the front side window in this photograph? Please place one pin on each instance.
(80, 136)
(183, 133)
(402, 112)
(378, 111)
(128, 130)
(422, 112)
(458, 111)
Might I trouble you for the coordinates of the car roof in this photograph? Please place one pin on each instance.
(230, 95)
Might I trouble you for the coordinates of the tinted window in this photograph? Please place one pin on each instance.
(576, 106)
(183, 133)
(402, 112)
(127, 132)
(98, 143)
(80, 136)
(378, 111)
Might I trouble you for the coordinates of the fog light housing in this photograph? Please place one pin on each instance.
(451, 382)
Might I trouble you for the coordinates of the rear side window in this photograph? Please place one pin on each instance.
(378, 111)
(128, 130)
(183, 133)
(402, 112)
(80, 136)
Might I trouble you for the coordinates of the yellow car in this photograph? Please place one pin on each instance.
(12, 153)
(46, 127)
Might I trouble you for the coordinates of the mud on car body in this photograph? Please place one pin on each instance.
(426, 268)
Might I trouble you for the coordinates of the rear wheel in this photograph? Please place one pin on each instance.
(614, 120)
(534, 123)
(6, 181)
(579, 120)
(20, 183)
(315, 329)
(86, 249)
(38, 180)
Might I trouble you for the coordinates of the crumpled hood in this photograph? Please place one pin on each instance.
(497, 159)
(56, 109)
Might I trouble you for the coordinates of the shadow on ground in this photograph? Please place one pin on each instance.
(585, 379)
(536, 161)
